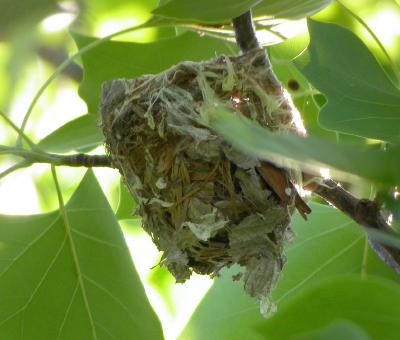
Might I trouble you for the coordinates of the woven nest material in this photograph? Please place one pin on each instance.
(203, 202)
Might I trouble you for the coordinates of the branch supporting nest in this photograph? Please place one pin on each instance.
(365, 212)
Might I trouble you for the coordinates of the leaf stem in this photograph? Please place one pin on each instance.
(17, 129)
(19, 165)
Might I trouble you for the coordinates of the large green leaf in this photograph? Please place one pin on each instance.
(289, 9)
(328, 245)
(372, 304)
(115, 59)
(81, 134)
(361, 98)
(309, 153)
(71, 279)
(339, 329)
(222, 11)
(208, 11)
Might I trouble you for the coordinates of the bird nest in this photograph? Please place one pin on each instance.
(203, 202)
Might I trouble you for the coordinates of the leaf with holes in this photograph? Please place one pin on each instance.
(72, 278)
(361, 99)
(327, 245)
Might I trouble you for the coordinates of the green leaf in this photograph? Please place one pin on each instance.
(71, 280)
(15, 14)
(309, 153)
(114, 59)
(81, 134)
(342, 329)
(372, 304)
(207, 11)
(361, 98)
(126, 204)
(327, 245)
(222, 11)
(289, 9)
(305, 98)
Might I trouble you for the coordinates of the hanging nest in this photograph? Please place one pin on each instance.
(204, 203)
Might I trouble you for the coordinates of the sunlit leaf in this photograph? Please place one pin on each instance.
(329, 244)
(289, 9)
(114, 60)
(309, 153)
(371, 303)
(361, 98)
(222, 11)
(73, 279)
(82, 133)
(207, 11)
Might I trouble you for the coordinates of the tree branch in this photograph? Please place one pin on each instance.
(365, 212)
(246, 39)
(76, 160)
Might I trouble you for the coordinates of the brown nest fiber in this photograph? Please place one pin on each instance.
(203, 202)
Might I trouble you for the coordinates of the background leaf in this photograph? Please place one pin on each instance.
(56, 286)
(81, 134)
(28, 12)
(326, 246)
(372, 304)
(289, 9)
(126, 204)
(340, 329)
(207, 11)
(222, 11)
(114, 60)
(361, 98)
(309, 153)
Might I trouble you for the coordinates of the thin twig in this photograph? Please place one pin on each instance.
(17, 129)
(76, 160)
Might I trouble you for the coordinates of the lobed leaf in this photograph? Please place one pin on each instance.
(74, 279)
(361, 98)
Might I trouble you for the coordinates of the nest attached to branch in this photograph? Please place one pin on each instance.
(203, 202)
